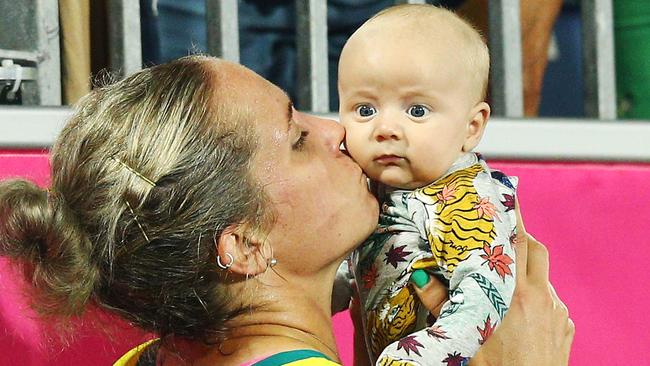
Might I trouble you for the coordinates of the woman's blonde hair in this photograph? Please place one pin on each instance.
(105, 235)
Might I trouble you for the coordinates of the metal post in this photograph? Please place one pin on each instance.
(506, 87)
(312, 57)
(223, 29)
(49, 64)
(124, 36)
(30, 33)
(598, 59)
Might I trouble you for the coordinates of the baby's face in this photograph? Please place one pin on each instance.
(404, 107)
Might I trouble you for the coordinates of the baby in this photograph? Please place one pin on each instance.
(412, 81)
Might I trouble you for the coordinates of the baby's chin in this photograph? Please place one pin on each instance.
(395, 180)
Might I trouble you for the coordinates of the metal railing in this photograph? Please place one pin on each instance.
(506, 78)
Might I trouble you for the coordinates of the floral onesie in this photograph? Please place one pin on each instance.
(460, 229)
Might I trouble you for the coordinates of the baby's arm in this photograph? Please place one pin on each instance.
(480, 290)
(475, 307)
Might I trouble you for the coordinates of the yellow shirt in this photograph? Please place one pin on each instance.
(289, 358)
(131, 358)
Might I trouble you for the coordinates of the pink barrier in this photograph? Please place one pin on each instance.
(592, 217)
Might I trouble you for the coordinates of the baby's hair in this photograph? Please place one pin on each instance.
(475, 50)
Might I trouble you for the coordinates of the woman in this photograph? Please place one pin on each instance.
(192, 199)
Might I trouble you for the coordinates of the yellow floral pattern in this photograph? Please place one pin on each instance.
(463, 220)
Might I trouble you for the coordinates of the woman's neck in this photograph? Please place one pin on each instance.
(295, 313)
(287, 314)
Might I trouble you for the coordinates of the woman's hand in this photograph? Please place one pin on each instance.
(536, 330)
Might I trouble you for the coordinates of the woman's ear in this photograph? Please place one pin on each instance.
(478, 119)
(239, 253)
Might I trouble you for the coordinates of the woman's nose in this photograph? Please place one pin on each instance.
(331, 132)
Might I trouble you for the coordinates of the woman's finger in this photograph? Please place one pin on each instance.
(559, 304)
(432, 293)
(520, 246)
(521, 229)
(571, 331)
(537, 270)
(556, 299)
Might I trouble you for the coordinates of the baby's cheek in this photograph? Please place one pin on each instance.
(354, 146)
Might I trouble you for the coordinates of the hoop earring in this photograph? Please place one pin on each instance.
(227, 265)
(271, 262)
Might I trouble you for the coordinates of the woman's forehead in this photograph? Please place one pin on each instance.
(269, 105)
(232, 79)
(241, 90)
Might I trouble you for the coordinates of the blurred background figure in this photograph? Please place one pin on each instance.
(632, 42)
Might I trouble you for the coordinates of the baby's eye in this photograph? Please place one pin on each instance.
(366, 110)
(418, 110)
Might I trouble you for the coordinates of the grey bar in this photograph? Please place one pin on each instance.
(124, 36)
(19, 55)
(506, 87)
(31, 127)
(223, 29)
(519, 139)
(12, 73)
(312, 57)
(598, 59)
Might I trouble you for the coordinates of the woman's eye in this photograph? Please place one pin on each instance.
(418, 111)
(300, 143)
(365, 110)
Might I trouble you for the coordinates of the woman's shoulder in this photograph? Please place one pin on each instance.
(145, 355)
(141, 355)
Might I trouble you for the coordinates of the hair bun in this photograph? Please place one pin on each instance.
(24, 220)
(54, 254)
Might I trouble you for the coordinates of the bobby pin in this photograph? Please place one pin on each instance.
(137, 173)
(135, 217)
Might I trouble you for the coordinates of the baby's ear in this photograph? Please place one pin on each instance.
(477, 120)
(239, 251)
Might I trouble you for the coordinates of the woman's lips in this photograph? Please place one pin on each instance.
(388, 159)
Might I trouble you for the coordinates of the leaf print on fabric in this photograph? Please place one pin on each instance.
(409, 344)
(455, 359)
(496, 260)
(486, 208)
(486, 332)
(437, 332)
(491, 292)
(508, 202)
(396, 255)
(369, 277)
(447, 193)
(503, 179)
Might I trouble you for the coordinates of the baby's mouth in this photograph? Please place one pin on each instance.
(388, 159)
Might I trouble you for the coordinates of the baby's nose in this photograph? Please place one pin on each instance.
(387, 131)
